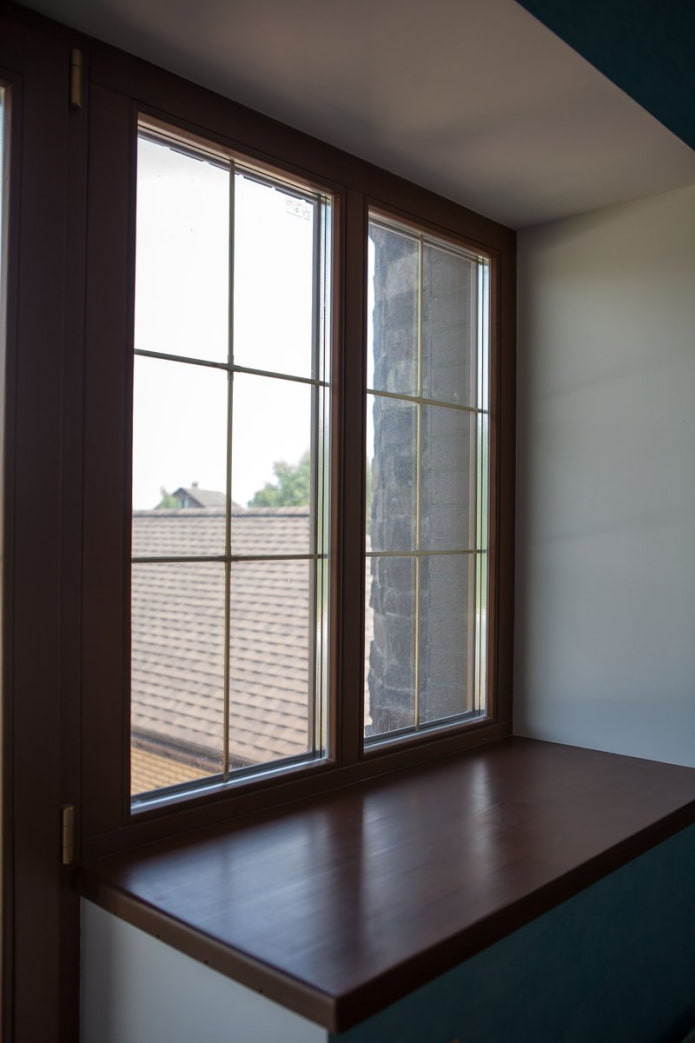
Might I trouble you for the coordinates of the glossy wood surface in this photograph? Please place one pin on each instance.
(338, 907)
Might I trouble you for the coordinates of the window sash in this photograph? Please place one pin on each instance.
(396, 620)
(154, 746)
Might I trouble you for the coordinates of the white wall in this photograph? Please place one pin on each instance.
(136, 989)
(605, 631)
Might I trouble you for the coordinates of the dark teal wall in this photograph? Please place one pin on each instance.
(646, 47)
(614, 964)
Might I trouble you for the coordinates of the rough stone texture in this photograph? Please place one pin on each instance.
(447, 439)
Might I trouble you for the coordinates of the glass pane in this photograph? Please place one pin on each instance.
(391, 471)
(392, 309)
(177, 673)
(179, 436)
(274, 252)
(483, 505)
(271, 463)
(270, 530)
(449, 326)
(176, 533)
(390, 635)
(446, 638)
(447, 493)
(182, 253)
(271, 673)
(483, 335)
(481, 602)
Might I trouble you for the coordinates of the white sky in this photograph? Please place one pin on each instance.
(182, 308)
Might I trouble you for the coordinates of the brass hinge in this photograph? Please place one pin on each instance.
(68, 834)
(76, 78)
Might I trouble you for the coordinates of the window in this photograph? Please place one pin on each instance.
(427, 466)
(231, 383)
(231, 480)
(298, 466)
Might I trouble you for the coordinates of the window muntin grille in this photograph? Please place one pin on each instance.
(232, 351)
(427, 513)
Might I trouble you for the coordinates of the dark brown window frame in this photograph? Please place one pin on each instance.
(41, 528)
(123, 89)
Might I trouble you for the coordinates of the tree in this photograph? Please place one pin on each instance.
(167, 502)
(291, 488)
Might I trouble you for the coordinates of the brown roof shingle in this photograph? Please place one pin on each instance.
(178, 629)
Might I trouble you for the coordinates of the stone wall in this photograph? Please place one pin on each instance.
(446, 441)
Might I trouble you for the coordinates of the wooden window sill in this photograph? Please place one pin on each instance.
(339, 906)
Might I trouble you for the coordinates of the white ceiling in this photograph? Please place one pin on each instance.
(474, 99)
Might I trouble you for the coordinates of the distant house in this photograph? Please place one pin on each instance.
(191, 497)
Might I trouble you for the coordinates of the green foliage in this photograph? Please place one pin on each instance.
(167, 502)
(291, 488)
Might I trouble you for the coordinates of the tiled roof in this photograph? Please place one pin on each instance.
(178, 639)
(152, 771)
(199, 531)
